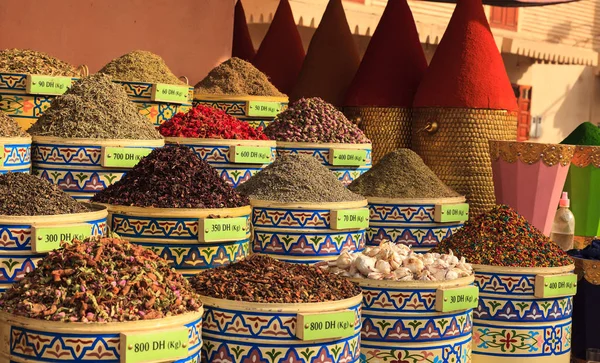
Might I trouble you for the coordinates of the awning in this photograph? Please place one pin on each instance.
(550, 52)
(513, 3)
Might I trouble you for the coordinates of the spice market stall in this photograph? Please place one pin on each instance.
(35, 217)
(261, 308)
(314, 127)
(15, 147)
(238, 88)
(90, 137)
(408, 203)
(175, 204)
(151, 85)
(526, 287)
(301, 212)
(235, 149)
(138, 310)
(30, 80)
(416, 307)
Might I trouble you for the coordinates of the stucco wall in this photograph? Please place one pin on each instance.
(191, 35)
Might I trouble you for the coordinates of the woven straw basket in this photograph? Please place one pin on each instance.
(454, 143)
(388, 128)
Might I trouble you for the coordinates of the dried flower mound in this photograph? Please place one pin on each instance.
(27, 61)
(101, 280)
(502, 237)
(27, 195)
(94, 108)
(263, 279)
(172, 177)
(401, 174)
(140, 66)
(297, 179)
(210, 123)
(314, 120)
(237, 77)
(10, 127)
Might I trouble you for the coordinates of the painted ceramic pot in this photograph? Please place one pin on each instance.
(415, 222)
(308, 233)
(192, 240)
(529, 177)
(157, 109)
(99, 342)
(524, 314)
(15, 155)
(407, 321)
(258, 111)
(239, 332)
(236, 161)
(346, 161)
(84, 167)
(26, 239)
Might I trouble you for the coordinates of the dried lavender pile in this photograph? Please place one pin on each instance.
(10, 127)
(263, 279)
(297, 179)
(27, 61)
(140, 66)
(314, 120)
(172, 177)
(237, 77)
(27, 195)
(401, 174)
(100, 280)
(94, 108)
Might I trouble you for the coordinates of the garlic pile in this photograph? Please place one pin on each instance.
(390, 261)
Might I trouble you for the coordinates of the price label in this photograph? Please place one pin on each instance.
(325, 325)
(47, 85)
(460, 298)
(222, 229)
(161, 346)
(350, 218)
(555, 285)
(170, 93)
(263, 109)
(347, 157)
(451, 212)
(46, 239)
(250, 154)
(123, 157)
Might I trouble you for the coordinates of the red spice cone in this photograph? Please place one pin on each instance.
(242, 42)
(393, 64)
(281, 53)
(467, 69)
(331, 61)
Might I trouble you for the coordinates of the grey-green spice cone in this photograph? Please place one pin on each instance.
(94, 108)
(140, 66)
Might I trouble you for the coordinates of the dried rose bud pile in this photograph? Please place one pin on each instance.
(205, 122)
(390, 261)
(266, 280)
(314, 120)
(100, 280)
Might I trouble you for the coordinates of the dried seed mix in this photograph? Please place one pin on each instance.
(237, 77)
(297, 179)
(401, 174)
(172, 177)
(209, 123)
(94, 108)
(263, 279)
(27, 195)
(140, 66)
(586, 134)
(9, 127)
(100, 280)
(501, 237)
(27, 61)
(314, 120)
